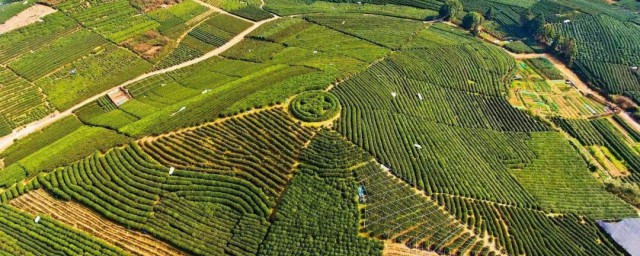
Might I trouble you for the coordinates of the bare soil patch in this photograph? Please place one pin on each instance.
(29, 16)
(396, 249)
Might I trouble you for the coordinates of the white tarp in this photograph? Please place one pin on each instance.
(626, 233)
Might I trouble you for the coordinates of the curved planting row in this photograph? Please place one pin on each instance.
(606, 51)
(519, 231)
(124, 185)
(259, 148)
(315, 106)
(395, 211)
(318, 214)
(388, 85)
(22, 235)
(330, 154)
(436, 157)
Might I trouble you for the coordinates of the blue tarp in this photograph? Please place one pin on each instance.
(626, 233)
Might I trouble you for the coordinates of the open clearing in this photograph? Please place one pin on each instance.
(30, 15)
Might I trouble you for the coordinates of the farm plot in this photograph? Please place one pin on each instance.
(560, 180)
(41, 203)
(178, 18)
(118, 19)
(531, 90)
(75, 146)
(31, 38)
(250, 10)
(202, 206)
(518, 231)
(390, 32)
(21, 236)
(433, 133)
(213, 33)
(395, 211)
(214, 102)
(91, 75)
(266, 160)
(38, 140)
(606, 51)
(58, 53)
(21, 102)
(602, 133)
(104, 113)
(321, 203)
(291, 7)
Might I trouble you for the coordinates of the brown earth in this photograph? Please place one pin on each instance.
(30, 15)
(396, 249)
(148, 45)
(39, 202)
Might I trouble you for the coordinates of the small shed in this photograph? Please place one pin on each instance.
(171, 170)
(418, 146)
(37, 219)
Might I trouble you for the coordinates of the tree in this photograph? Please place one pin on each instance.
(547, 35)
(473, 21)
(450, 9)
(489, 14)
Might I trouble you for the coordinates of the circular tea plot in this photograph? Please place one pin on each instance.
(315, 106)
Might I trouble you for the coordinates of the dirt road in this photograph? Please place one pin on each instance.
(580, 85)
(19, 133)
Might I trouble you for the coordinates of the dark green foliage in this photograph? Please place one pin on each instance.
(528, 231)
(546, 68)
(20, 235)
(394, 210)
(473, 21)
(39, 140)
(601, 132)
(318, 213)
(260, 148)
(420, 139)
(450, 9)
(315, 106)
(605, 51)
(252, 12)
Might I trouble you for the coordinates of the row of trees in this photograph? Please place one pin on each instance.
(471, 21)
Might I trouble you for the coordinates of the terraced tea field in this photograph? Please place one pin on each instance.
(290, 127)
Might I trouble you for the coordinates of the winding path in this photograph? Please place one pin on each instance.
(22, 132)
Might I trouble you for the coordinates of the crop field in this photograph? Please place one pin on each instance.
(330, 127)
(178, 18)
(20, 102)
(31, 38)
(60, 52)
(535, 91)
(90, 75)
(208, 35)
(117, 21)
